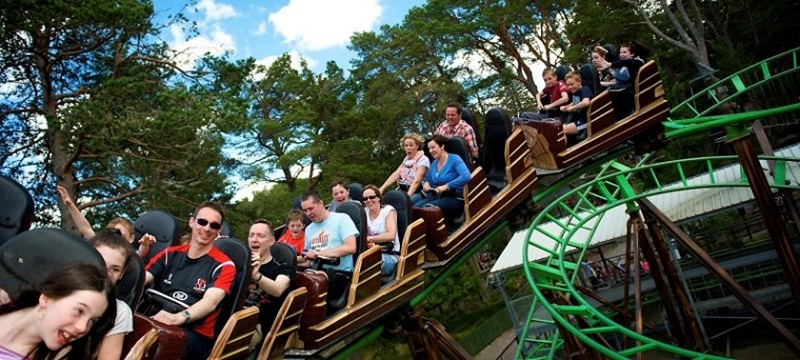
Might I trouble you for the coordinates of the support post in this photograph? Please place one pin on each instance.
(769, 211)
(724, 277)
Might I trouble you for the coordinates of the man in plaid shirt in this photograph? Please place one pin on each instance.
(454, 126)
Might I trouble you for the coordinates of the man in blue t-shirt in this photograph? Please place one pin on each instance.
(330, 235)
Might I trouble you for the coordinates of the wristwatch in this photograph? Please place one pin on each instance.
(186, 315)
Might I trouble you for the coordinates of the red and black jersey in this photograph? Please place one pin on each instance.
(187, 280)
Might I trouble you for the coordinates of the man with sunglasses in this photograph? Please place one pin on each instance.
(197, 274)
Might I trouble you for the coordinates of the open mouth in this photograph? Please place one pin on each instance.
(64, 337)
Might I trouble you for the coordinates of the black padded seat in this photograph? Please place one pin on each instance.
(163, 226)
(402, 205)
(401, 202)
(356, 213)
(130, 286)
(284, 254)
(456, 145)
(239, 253)
(359, 217)
(227, 230)
(561, 71)
(16, 209)
(498, 128)
(356, 191)
(589, 78)
(30, 256)
(469, 118)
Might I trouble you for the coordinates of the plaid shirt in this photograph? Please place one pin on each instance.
(462, 129)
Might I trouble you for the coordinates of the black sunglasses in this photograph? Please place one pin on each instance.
(204, 222)
(370, 197)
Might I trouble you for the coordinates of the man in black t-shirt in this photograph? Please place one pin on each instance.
(271, 281)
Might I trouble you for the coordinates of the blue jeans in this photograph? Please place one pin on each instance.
(197, 346)
(452, 207)
(389, 264)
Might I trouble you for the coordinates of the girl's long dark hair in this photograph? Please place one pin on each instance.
(62, 283)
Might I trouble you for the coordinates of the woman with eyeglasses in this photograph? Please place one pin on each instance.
(444, 184)
(382, 225)
(412, 170)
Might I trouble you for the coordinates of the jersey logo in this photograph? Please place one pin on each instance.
(180, 296)
(200, 285)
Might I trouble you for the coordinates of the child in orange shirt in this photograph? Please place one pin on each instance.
(294, 235)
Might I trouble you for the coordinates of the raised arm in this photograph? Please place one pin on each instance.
(80, 221)
(391, 180)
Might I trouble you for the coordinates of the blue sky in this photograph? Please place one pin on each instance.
(317, 30)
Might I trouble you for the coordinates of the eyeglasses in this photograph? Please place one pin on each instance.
(372, 197)
(204, 222)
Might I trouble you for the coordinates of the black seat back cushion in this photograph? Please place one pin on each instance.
(163, 226)
(16, 209)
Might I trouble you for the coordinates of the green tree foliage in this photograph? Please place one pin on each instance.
(91, 104)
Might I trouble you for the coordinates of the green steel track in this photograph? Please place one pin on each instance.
(612, 186)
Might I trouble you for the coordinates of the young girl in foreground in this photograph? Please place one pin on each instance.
(65, 316)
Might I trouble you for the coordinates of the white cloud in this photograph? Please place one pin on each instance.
(216, 11)
(187, 52)
(245, 191)
(320, 24)
(261, 29)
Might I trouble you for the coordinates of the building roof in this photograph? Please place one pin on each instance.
(678, 206)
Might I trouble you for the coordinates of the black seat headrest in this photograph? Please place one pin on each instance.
(355, 190)
(589, 77)
(359, 217)
(227, 230)
(28, 257)
(163, 226)
(402, 205)
(16, 209)
(561, 72)
(284, 254)
(469, 118)
(456, 145)
(498, 128)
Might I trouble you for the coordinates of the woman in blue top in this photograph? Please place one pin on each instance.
(444, 183)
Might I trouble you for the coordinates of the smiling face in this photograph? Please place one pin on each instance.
(574, 86)
(451, 116)
(205, 234)
(625, 53)
(115, 262)
(371, 199)
(435, 150)
(259, 239)
(70, 317)
(340, 193)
